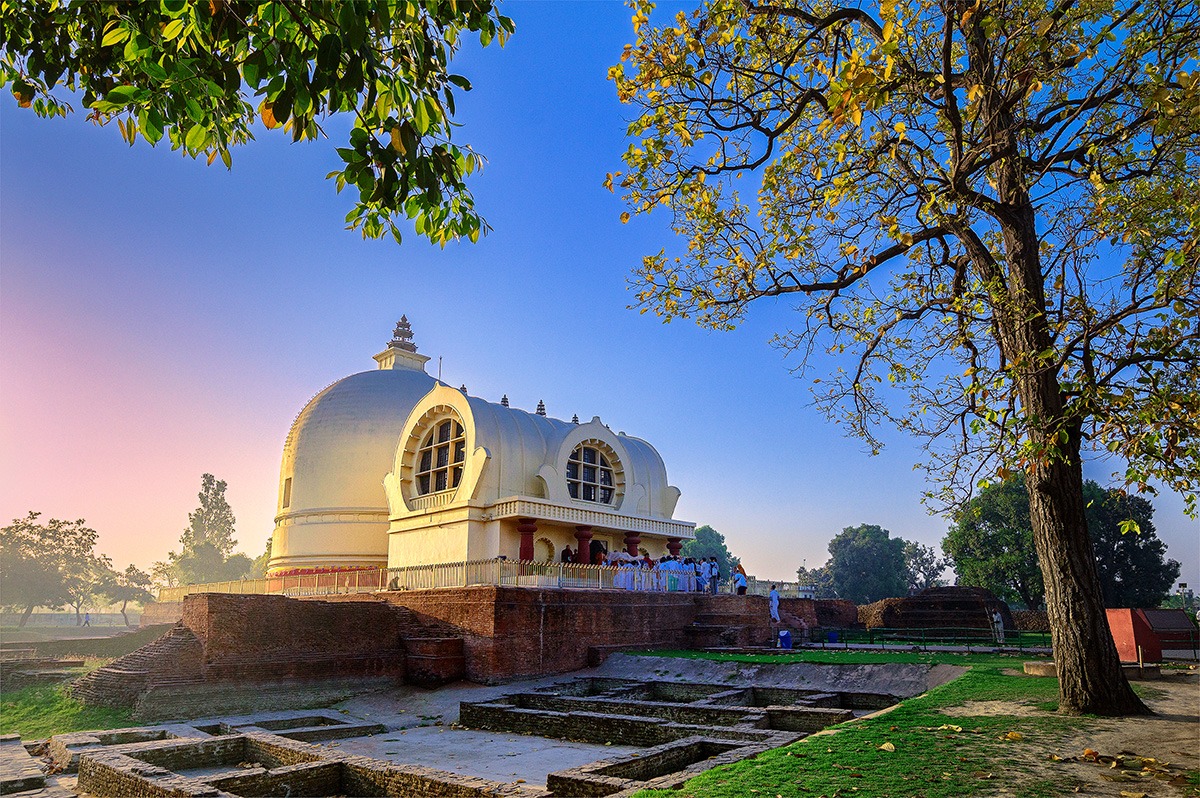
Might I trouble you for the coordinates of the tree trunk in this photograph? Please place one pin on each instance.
(123, 615)
(78, 619)
(1089, 672)
(1090, 679)
(25, 617)
(1022, 588)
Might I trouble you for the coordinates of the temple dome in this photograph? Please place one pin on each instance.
(342, 443)
(332, 510)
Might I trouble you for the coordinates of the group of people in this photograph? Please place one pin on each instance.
(670, 573)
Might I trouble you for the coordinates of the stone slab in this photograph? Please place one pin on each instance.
(19, 771)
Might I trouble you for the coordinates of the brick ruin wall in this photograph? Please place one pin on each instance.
(243, 635)
(225, 641)
(488, 634)
(511, 632)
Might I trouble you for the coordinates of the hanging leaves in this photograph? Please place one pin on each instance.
(200, 75)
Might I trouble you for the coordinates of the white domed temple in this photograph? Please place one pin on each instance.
(392, 468)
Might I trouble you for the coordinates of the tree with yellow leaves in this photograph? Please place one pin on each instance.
(986, 212)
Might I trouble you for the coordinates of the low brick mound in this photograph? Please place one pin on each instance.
(832, 613)
(937, 608)
(1031, 620)
(29, 671)
(176, 654)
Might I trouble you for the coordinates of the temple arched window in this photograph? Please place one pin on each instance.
(440, 457)
(591, 473)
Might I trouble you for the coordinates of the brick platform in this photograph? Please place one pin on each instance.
(233, 649)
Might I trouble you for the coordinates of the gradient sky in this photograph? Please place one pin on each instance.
(160, 319)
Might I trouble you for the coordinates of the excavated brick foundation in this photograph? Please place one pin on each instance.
(243, 653)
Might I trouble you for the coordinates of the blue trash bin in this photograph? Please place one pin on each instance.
(833, 637)
(785, 639)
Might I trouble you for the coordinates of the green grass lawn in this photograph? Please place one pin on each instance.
(37, 712)
(916, 749)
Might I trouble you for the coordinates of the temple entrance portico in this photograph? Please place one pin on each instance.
(528, 529)
(585, 530)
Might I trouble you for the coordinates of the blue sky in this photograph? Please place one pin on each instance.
(160, 319)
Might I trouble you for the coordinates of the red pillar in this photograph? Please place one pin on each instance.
(526, 526)
(631, 543)
(674, 546)
(583, 534)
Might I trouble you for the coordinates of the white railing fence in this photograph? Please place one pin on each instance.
(474, 573)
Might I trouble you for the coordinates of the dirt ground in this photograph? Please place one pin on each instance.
(1120, 757)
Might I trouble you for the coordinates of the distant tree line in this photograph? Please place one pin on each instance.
(54, 564)
(990, 545)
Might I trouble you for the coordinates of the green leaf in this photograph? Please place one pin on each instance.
(172, 29)
(151, 124)
(328, 52)
(154, 71)
(196, 137)
(125, 95)
(421, 118)
(114, 36)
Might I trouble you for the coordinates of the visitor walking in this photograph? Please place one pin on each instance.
(87, 619)
(714, 576)
(739, 580)
(998, 626)
(774, 600)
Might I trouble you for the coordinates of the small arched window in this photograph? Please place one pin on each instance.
(590, 475)
(440, 458)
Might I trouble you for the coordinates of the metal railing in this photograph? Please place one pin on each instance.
(932, 637)
(473, 573)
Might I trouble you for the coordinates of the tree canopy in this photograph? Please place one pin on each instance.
(819, 579)
(711, 543)
(1134, 569)
(49, 564)
(132, 584)
(199, 75)
(923, 566)
(989, 207)
(206, 546)
(990, 542)
(867, 564)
